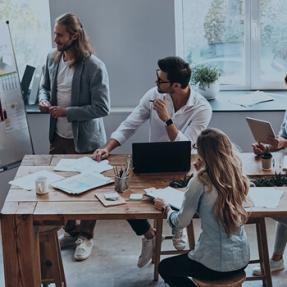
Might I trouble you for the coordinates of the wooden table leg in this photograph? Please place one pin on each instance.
(158, 223)
(263, 251)
(20, 251)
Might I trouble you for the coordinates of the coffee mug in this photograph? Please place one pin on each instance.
(41, 185)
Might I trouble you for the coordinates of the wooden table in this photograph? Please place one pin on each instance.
(253, 168)
(252, 165)
(24, 212)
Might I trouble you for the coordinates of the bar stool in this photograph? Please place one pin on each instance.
(158, 252)
(234, 281)
(52, 270)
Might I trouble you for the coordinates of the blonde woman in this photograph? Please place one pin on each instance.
(217, 194)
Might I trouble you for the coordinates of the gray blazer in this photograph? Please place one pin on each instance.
(90, 101)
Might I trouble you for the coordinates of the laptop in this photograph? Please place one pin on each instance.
(161, 156)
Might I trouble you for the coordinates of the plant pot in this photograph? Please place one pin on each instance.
(267, 161)
(209, 91)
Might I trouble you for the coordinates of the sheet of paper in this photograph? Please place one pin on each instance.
(268, 197)
(252, 99)
(82, 182)
(66, 164)
(83, 164)
(28, 182)
(169, 194)
(88, 164)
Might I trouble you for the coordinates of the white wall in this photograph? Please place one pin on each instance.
(233, 123)
(129, 36)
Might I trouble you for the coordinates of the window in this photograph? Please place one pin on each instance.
(30, 28)
(245, 39)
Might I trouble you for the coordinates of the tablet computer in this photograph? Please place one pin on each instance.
(262, 130)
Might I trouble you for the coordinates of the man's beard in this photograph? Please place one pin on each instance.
(159, 90)
(67, 46)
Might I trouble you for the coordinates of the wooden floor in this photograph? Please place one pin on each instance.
(113, 262)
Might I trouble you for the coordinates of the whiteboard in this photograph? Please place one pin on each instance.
(15, 139)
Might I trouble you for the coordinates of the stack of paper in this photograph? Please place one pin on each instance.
(28, 181)
(82, 164)
(170, 195)
(80, 183)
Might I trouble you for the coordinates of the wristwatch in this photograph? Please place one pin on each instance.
(169, 122)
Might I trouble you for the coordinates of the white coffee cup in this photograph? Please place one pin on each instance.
(41, 185)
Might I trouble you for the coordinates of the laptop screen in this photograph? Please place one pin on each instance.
(161, 156)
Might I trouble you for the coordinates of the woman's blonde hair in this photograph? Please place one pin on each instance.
(223, 170)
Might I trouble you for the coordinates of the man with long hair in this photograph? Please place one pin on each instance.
(175, 113)
(75, 91)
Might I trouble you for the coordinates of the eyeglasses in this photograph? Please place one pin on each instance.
(159, 80)
(194, 146)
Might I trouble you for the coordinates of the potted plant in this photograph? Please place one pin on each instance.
(266, 158)
(207, 79)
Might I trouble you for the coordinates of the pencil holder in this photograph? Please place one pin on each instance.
(121, 183)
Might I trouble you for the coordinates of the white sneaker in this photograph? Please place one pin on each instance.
(66, 240)
(179, 239)
(84, 248)
(274, 266)
(147, 251)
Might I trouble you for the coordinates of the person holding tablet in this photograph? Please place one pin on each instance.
(216, 194)
(276, 261)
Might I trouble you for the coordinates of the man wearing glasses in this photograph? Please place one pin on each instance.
(175, 113)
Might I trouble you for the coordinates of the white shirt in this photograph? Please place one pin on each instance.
(190, 119)
(64, 94)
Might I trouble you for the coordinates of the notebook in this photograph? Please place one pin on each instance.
(170, 195)
(161, 156)
(81, 183)
(261, 130)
